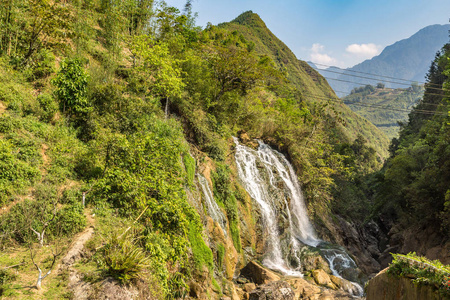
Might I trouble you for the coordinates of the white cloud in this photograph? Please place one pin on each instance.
(364, 50)
(322, 59)
(317, 48)
(318, 56)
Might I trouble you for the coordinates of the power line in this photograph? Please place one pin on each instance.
(432, 104)
(372, 74)
(418, 111)
(363, 84)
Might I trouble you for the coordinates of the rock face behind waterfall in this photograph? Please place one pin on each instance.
(277, 240)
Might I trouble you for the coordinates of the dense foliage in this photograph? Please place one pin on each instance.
(413, 187)
(106, 100)
(422, 271)
(394, 103)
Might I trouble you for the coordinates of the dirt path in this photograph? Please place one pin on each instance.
(76, 283)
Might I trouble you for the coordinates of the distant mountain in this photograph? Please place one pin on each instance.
(384, 107)
(406, 59)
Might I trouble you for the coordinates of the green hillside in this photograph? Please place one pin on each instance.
(313, 88)
(412, 190)
(384, 107)
(110, 111)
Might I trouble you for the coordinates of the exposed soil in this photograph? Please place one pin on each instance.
(2, 108)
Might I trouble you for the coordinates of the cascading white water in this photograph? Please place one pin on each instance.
(339, 261)
(271, 181)
(211, 205)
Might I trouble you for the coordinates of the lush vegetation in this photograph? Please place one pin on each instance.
(413, 186)
(422, 271)
(394, 105)
(106, 100)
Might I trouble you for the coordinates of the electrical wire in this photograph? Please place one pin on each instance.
(377, 106)
(432, 104)
(371, 74)
(363, 84)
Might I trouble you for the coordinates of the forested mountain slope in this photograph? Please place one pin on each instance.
(312, 87)
(411, 193)
(384, 107)
(117, 121)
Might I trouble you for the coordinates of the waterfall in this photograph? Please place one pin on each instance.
(271, 181)
(211, 205)
(341, 263)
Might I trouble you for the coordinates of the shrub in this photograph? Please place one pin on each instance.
(71, 220)
(123, 259)
(48, 106)
(43, 65)
(71, 87)
(422, 271)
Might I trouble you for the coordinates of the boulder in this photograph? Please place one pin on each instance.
(313, 260)
(303, 289)
(248, 287)
(258, 274)
(385, 286)
(336, 280)
(246, 140)
(277, 290)
(322, 278)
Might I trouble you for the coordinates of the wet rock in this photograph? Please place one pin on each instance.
(258, 274)
(322, 278)
(313, 261)
(246, 140)
(362, 242)
(278, 290)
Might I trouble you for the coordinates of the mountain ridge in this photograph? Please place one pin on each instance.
(407, 59)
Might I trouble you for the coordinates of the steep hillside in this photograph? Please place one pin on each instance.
(384, 107)
(407, 59)
(147, 159)
(313, 87)
(411, 192)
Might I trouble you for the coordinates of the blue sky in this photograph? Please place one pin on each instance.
(332, 32)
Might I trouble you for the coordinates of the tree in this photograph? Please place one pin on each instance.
(45, 224)
(156, 69)
(380, 85)
(71, 87)
(55, 255)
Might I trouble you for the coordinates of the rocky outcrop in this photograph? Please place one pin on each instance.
(426, 241)
(278, 290)
(246, 140)
(362, 242)
(258, 274)
(388, 287)
(322, 278)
